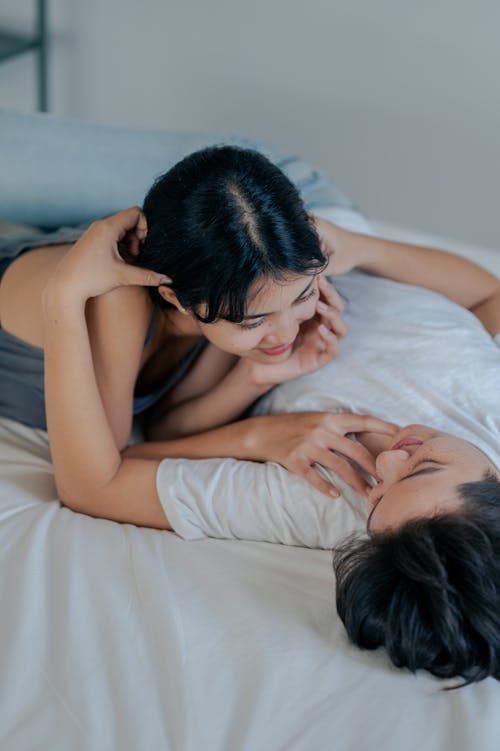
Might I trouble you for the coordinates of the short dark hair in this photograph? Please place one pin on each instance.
(221, 219)
(429, 592)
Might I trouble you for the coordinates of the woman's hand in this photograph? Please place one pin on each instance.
(335, 245)
(94, 265)
(317, 342)
(302, 441)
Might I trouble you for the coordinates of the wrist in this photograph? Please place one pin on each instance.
(60, 300)
(358, 248)
(370, 255)
(255, 377)
(253, 440)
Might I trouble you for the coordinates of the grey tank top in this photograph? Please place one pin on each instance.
(21, 364)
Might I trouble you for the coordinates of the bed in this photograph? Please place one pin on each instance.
(117, 637)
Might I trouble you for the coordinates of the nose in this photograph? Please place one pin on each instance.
(390, 465)
(285, 329)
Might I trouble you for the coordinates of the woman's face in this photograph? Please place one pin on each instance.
(274, 314)
(418, 476)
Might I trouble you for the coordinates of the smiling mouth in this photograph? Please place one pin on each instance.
(408, 441)
(276, 350)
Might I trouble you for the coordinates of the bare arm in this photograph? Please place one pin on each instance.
(216, 391)
(457, 278)
(91, 475)
(488, 312)
(117, 323)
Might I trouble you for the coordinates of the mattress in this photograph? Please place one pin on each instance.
(118, 637)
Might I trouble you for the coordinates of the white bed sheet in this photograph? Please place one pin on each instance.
(116, 637)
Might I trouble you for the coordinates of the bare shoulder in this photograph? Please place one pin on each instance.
(25, 279)
(21, 292)
(119, 320)
(126, 303)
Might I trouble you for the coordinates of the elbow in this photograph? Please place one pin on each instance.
(71, 498)
(79, 497)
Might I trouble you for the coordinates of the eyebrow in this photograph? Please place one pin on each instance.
(262, 315)
(426, 471)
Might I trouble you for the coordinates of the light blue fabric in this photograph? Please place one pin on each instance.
(55, 172)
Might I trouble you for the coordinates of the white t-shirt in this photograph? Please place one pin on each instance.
(411, 356)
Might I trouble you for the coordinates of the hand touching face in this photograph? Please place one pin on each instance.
(297, 321)
(419, 475)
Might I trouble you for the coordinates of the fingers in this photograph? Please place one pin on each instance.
(124, 221)
(131, 225)
(330, 341)
(357, 453)
(128, 226)
(329, 308)
(313, 477)
(134, 275)
(352, 423)
(343, 469)
(329, 293)
(142, 227)
(327, 458)
(332, 318)
(138, 235)
(347, 472)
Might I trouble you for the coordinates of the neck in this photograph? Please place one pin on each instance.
(176, 323)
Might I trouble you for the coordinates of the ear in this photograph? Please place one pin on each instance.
(169, 295)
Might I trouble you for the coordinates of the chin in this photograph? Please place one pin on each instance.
(269, 359)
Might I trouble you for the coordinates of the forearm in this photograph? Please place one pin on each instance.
(457, 278)
(91, 476)
(79, 432)
(222, 404)
(239, 440)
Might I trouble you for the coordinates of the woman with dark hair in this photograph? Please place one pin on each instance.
(239, 306)
(92, 268)
(424, 582)
(435, 500)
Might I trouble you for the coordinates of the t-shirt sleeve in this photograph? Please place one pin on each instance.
(233, 499)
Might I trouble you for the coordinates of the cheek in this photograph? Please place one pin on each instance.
(308, 310)
(235, 342)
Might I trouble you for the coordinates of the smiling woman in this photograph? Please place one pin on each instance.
(235, 306)
(105, 342)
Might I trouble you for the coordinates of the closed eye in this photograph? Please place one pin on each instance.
(424, 471)
(252, 325)
(306, 297)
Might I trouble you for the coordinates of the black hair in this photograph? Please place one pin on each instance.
(218, 221)
(429, 591)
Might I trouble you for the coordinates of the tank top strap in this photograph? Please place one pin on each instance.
(151, 327)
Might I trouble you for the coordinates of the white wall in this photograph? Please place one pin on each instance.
(398, 100)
